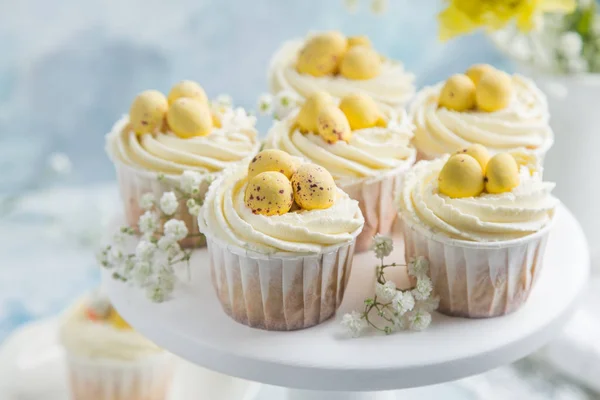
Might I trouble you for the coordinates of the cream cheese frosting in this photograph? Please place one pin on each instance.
(167, 153)
(393, 86)
(485, 218)
(370, 151)
(226, 217)
(100, 340)
(523, 124)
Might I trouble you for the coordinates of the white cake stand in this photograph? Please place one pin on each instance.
(323, 363)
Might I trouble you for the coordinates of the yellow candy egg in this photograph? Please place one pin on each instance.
(321, 54)
(188, 118)
(148, 111)
(361, 40)
(269, 193)
(272, 160)
(189, 89)
(478, 152)
(362, 111)
(502, 174)
(314, 187)
(476, 71)
(494, 91)
(461, 176)
(360, 63)
(308, 114)
(333, 125)
(115, 319)
(458, 93)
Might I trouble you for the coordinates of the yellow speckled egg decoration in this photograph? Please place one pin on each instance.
(269, 193)
(272, 160)
(478, 152)
(360, 63)
(307, 116)
(461, 176)
(476, 71)
(189, 89)
(333, 125)
(494, 91)
(188, 118)
(148, 111)
(321, 54)
(502, 174)
(362, 111)
(314, 187)
(458, 93)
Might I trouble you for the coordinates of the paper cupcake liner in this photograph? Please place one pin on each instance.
(134, 183)
(375, 197)
(478, 280)
(279, 292)
(145, 379)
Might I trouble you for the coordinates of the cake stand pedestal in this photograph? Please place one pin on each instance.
(324, 363)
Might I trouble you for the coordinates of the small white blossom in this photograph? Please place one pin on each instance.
(60, 163)
(156, 293)
(145, 250)
(166, 280)
(102, 257)
(570, 44)
(265, 104)
(237, 119)
(386, 292)
(418, 267)
(148, 223)
(403, 302)
(423, 288)
(190, 182)
(170, 247)
(116, 256)
(195, 211)
(354, 323)
(430, 304)
(175, 229)
(142, 271)
(147, 201)
(119, 238)
(283, 103)
(169, 203)
(379, 6)
(165, 242)
(382, 246)
(224, 100)
(418, 320)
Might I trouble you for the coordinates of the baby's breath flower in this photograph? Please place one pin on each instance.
(175, 229)
(403, 302)
(119, 237)
(157, 293)
(116, 256)
(418, 267)
(224, 100)
(102, 256)
(283, 103)
(148, 223)
(423, 289)
(195, 211)
(354, 323)
(169, 203)
(429, 304)
(165, 242)
(142, 271)
(570, 44)
(265, 104)
(190, 182)
(418, 320)
(386, 292)
(147, 201)
(166, 280)
(382, 246)
(145, 250)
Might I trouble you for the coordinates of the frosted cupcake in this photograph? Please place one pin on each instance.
(162, 138)
(365, 146)
(484, 106)
(281, 239)
(338, 65)
(483, 233)
(107, 360)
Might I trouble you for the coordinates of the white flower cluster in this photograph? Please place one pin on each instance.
(398, 309)
(157, 253)
(280, 105)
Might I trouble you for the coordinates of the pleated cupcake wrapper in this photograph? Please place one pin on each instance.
(279, 292)
(144, 379)
(375, 197)
(134, 183)
(478, 280)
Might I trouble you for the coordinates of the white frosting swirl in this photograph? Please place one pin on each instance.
(485, 218)
(100, 340)
(226, 217)
(167, 153)
(523, 124)
(370, 152)
(393, 86)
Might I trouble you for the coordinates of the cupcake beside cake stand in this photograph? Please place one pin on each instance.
(324, 363)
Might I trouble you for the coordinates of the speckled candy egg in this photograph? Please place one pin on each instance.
(188, 118)
(272, 160)
(314, 187)
(269, 193)
(189, 89)
(148, 111)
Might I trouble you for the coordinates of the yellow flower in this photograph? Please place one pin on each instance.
(464, 16)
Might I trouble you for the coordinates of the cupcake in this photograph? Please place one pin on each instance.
(484, 233)
(107, 360)
(163, 138)
(280, 238)
(338, 65)
(485, 106)
(364, 145)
